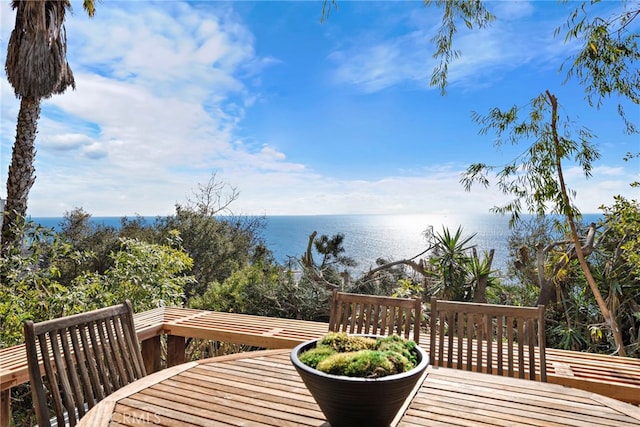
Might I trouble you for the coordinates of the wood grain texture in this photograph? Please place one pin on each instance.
(375, 315)
(495, 339)
(263, 389)
(613, 376)
(85, 358)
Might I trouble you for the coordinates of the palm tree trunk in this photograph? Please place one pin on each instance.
(21, 171)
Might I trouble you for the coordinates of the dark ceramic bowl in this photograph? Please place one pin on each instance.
(353, 401)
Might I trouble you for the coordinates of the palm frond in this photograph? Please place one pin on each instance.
(36, 63)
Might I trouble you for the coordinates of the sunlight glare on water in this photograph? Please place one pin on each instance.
(369, 237)
(392, 237)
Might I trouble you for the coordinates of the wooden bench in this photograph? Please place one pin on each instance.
(613, 376)
(617, 377)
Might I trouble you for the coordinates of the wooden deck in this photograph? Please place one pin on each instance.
(258, 331)
(616, 377)
(263, 389)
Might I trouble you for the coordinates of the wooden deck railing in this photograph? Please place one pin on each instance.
(617, 377)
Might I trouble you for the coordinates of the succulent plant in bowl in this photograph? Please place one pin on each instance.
(362, 356)
(359, 379)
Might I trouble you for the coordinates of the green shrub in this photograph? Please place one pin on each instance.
(338, 353)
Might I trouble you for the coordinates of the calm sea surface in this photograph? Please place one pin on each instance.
(368, 237)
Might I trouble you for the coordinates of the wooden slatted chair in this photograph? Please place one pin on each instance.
(376, 315)
(489, 338)
(85, 358)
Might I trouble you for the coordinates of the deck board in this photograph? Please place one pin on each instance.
(612, 376)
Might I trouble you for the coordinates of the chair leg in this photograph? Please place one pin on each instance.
(5, 408)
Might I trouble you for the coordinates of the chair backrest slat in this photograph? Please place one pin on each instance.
(81, 361)
(100, 357)
(510, 344)
(496, 339)
(499, 340)
(461, 326)
(111, 375)
(70, 382)
(119, 334)
(376, 315)
(118, 364)
(85, 358)
(94, 375)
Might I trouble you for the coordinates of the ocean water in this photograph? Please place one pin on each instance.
(393, 237)
(369, 237)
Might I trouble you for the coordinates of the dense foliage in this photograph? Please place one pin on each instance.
(541, 252)
(40, 284)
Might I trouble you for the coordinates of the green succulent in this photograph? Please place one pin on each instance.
(339, 353)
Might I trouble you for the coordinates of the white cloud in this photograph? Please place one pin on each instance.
(437, 191)
(158, 95)
(511, 9)
(161, 92)
(373, 63)
(604, 183)
(270, 153)
(610, 171)
(66, 142)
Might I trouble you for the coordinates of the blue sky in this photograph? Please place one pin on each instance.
(301, 117)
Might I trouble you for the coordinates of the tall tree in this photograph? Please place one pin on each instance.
(536, 178)
(37, 68)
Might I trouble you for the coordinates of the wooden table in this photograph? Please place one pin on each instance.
(262, 388)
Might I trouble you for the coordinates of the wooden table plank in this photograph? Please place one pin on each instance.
(466, 398)
(263, 389)
(508, 412)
